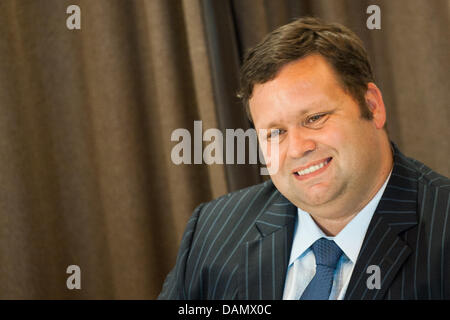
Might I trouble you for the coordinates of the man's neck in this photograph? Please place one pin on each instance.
(332, 227)
(331, 223)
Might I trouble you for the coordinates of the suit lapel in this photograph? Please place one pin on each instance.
(382, 246)
(265, 260)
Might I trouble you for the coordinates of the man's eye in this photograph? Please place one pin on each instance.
(314, 118)
(273, 133)
(316, 121)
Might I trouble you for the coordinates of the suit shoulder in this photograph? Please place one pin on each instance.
(428, 176)
(240, 199)
(264, 187)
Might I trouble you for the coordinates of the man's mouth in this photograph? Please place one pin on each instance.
(312, 169)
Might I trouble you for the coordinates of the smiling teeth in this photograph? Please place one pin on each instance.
(312, 168)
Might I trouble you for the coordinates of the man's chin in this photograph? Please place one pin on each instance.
(314, 198)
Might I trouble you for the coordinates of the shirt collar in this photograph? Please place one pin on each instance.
(350, 238)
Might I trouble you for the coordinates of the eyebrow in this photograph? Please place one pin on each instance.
(309, 109)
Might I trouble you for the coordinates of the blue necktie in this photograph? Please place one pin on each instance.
(327, 254)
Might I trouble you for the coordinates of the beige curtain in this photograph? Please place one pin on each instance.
(86, 118)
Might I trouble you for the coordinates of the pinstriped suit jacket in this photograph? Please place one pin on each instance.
(238, 246)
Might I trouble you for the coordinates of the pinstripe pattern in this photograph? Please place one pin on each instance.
(238, 246)
(407, 237)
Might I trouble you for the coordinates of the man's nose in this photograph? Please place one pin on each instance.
(300, 143)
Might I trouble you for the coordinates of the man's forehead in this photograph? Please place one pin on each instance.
(306, 66)
(306, 74)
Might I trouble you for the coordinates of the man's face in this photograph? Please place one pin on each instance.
(327, 151)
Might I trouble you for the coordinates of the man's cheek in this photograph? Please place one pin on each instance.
(273, 159)
(271, 153)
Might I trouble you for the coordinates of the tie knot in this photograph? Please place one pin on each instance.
(327, 252)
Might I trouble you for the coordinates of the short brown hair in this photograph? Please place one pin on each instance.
(306, 36)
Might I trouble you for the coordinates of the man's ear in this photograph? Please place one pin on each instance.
(374, 101)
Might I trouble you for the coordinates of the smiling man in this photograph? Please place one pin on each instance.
(332, 161)
(346, 215)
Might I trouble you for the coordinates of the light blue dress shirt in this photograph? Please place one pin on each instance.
(302, 263)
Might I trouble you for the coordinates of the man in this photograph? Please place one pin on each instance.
(346, 215)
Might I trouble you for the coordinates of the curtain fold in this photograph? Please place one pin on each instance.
(223, 53)
(86, 119)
